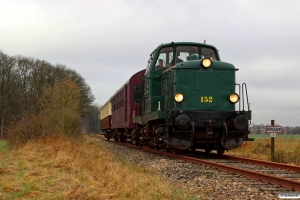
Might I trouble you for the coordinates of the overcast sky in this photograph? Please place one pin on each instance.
(107, 41)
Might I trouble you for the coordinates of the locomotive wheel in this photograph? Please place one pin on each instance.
(167, 149)
(140, 142)
(220, 151)
(108, 138)
(135, 141)
(175, 151)
(193, 149)
(123, 138)
(207, 150)
(151, 144)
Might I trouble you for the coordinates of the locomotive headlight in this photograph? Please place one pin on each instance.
(206, 62)
(178, 97)
(233, 97)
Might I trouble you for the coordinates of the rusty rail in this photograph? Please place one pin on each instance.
(291, 184)
(262, 163)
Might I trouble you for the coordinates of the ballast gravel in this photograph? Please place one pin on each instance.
(208, 183)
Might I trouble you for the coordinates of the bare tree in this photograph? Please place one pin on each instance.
(7, 88)
(22, 84)
(86, 96)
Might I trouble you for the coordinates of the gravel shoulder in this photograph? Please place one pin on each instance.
(204, 181)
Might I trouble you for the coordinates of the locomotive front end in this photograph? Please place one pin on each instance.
(201, 113)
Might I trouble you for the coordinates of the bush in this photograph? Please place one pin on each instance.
(31, 127)
(59, 115)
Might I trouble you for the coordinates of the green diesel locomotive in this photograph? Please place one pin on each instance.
(189, 99)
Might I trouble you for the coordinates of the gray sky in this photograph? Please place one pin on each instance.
(107, 41)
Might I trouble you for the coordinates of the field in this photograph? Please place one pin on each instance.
(287, 148)
(56, 168)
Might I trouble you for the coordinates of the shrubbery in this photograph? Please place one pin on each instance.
(59, 115)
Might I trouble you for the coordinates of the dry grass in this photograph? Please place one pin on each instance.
(56, 168)
(287, 150)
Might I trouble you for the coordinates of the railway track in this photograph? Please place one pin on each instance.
(278, 174)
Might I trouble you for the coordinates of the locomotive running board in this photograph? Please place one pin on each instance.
(178, 143)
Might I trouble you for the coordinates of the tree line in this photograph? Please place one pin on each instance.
(261, 129)
(33, 87)
(91, 122)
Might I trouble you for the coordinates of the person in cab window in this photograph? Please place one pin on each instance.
(160, 65)
(178, 60)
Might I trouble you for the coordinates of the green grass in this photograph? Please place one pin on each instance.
(3, 146)
(286, 148)
(26, 189)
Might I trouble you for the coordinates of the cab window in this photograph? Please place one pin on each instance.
(149, 62)
(164, 58)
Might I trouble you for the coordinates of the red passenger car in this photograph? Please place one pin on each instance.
(124, 108)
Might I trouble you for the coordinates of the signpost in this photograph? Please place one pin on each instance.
(273, 130)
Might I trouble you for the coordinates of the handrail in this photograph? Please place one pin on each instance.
(244, 85)
(239, 94)
(243, 95)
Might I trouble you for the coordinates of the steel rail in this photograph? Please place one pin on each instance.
(291, 184)
(294, 168)
(263, 163)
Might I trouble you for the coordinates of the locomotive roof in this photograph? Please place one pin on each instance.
(183, 43)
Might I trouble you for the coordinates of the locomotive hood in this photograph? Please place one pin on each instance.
(196, 64)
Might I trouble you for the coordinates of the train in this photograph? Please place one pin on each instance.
(185, 99)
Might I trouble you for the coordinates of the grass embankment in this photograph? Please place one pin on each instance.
(56, 168)
(287, 148)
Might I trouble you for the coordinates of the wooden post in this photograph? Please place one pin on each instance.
(272, 143)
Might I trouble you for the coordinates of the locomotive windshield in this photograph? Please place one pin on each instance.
(208, 53)
(166, 56)
(183, 53)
